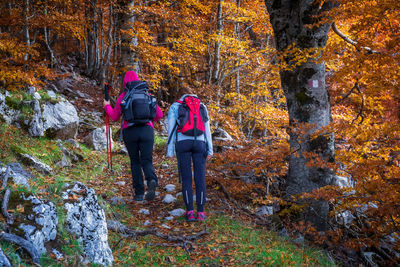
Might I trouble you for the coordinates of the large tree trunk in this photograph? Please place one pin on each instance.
(307, 99)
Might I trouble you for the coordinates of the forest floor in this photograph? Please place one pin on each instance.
(234, 234)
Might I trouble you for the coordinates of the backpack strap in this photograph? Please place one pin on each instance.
(172, 132)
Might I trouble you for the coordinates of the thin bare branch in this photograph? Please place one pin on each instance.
(348, 40)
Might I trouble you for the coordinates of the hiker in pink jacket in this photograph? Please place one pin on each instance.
(138, 137)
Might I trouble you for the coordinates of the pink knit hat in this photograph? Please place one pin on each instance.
(130, 76)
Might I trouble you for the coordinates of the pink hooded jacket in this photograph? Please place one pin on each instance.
(116, 112)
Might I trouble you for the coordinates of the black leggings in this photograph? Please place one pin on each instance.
(139, 142)
(189, 151)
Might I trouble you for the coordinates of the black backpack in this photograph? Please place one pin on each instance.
(138, 106)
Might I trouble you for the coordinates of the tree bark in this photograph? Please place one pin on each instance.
(129, 58)
(217, 51)
(107, 56)
(306, 97)
(91, 16)
(26, 27)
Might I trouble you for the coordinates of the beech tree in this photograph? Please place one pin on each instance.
(303, 82)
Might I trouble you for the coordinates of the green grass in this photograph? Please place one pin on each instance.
(160, 141)
(241, 245)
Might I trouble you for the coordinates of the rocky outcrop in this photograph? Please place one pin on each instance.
(221, 135)
(221, 140)
(60, 120)
(15, 173)
(86, 219)
(97, 139)
(37, 220)
(37, 164)
(8, 114)
(36, 127)
(89, 120)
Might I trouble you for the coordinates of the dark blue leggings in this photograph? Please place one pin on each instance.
(188, 151)
(139, 142)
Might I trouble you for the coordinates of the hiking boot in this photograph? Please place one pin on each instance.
(189, 215)
(138, 198)
(201, 216)
(151, 190)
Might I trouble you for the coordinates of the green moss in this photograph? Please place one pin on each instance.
(13, 102)
(303, 98)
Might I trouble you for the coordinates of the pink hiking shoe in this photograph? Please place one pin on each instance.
(189, 215)
(201, 216)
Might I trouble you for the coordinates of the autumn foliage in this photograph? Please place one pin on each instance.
(225, 51)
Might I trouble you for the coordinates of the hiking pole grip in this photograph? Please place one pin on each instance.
(106, 89)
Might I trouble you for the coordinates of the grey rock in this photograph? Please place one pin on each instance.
(73, 142)
(18, 175)
(51, 94)
(60, 120)
(40, 226)
(36, 127)
(176, 212)
(164, 166)
(4, 260)
(64, 162)
(299, 240)
(57, 254)
(53, 87)
(178, 194)
(169, 199)
(341, 181)
(65, 85)
(97, 139)
(170, 187)
(85, 218)
(144, 211)
(265, 210)
(6, 113)
(165, 226)
(37, 96)
(221, 135)
(90, 120)
(147, 223)
(31, 90)
(120, 183)
(117, 200)
(82, 95)
(164, 126)
(169, 218)
(345, 218)
(37, 164)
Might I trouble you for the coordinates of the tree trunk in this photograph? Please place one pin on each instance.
(107, 56)
(129, 58)
(307, 99)
(217, 51)
(91, 16)
(26, 27)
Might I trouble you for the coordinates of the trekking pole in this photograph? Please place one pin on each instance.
(108, 129)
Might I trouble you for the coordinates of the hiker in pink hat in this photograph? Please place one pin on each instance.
(139, 111)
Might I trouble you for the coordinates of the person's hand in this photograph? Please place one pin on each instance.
(106, 102)
(209, 157)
